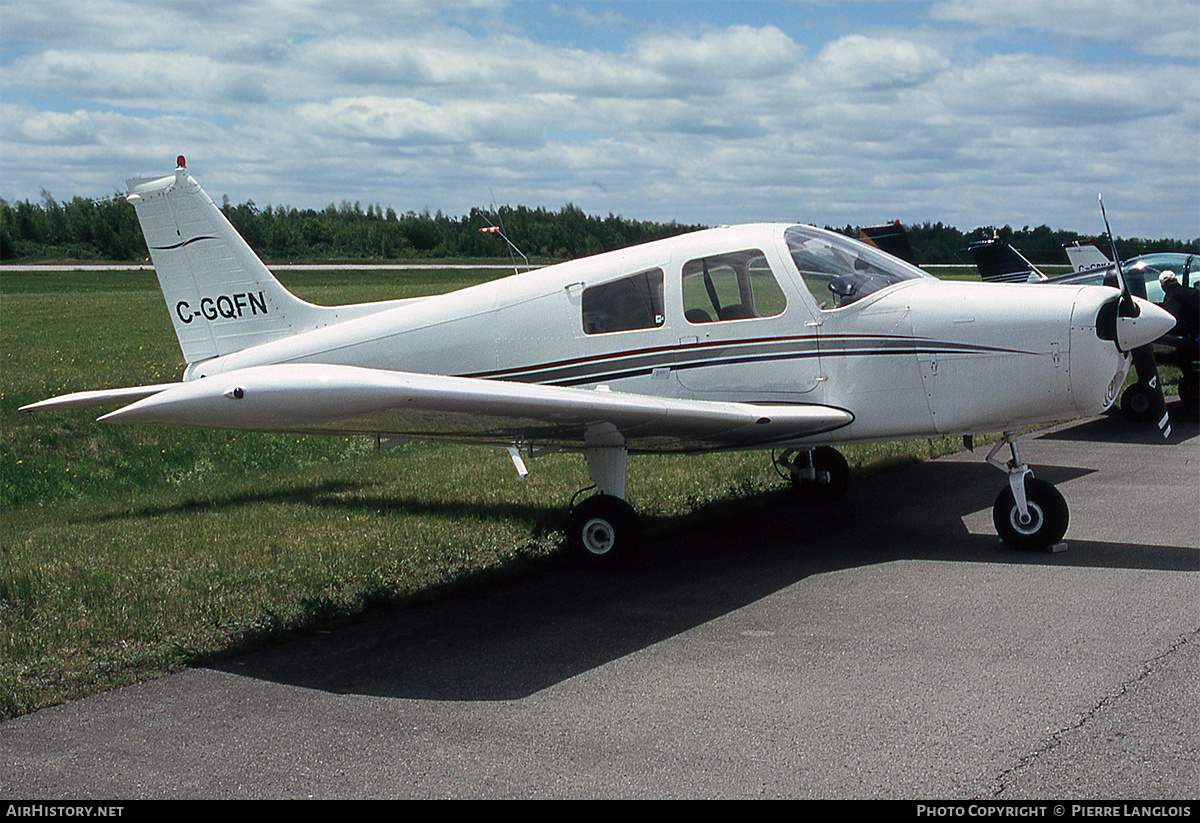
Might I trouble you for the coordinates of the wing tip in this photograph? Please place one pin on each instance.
(96, 397)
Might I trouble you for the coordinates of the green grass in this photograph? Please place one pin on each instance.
(128, 552)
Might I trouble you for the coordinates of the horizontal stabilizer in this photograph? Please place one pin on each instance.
(353, 400)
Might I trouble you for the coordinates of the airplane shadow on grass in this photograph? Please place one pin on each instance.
(515, 637)
(342, 495)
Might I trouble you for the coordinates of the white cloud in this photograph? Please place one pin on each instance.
(414, 104)
(874, 63)
(739, 52)
(413, 123)
(1167, 28)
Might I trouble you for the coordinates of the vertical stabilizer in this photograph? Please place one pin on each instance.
(220, 296)
(1086, 256)
(1000, 263)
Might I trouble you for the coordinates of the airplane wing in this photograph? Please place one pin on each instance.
(335, 399)
(98, 397)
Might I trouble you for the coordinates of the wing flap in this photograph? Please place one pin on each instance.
(350, 399)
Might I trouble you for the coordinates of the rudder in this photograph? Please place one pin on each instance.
(220, 296)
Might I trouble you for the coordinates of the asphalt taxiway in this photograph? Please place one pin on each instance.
(888, 647)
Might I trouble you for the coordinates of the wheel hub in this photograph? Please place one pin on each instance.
(1027, 523)
(598, 536)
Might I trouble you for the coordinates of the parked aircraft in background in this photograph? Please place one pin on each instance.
(1085, 256)
(784, 338)
(998, 262)
(891, 238)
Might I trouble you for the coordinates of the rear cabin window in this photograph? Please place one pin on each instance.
(733, 286)
(634, 302)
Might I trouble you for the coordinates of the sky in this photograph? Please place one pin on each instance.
(964, 112)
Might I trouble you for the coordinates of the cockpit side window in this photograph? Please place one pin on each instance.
(634, 302)
(838, 271)
(734, 286)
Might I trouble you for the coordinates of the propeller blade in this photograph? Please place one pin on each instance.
(1128, 307)
(1143, 356)
(1147, 373)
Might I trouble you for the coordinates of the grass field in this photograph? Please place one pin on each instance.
(128, 552)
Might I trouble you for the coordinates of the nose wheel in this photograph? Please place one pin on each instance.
(1028, 513)
(1041, 525)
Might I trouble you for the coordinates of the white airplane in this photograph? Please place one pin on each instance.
(775, 337)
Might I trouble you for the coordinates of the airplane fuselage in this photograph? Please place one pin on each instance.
(920, 357)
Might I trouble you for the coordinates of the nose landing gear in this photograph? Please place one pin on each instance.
(1028, 513)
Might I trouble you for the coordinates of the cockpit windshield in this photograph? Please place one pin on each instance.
(839, 271)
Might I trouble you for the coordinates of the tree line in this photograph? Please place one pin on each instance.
(934, 243)
(106, 229)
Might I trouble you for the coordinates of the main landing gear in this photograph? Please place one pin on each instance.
(1029, 513)
(604, 531)
(819, 475)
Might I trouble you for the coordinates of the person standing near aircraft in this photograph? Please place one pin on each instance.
(1183, 302)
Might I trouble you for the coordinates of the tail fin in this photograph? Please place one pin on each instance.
(1086, 256)
(999, 262)
(220, 295)
(891, 238)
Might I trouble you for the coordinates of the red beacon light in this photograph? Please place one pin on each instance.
(180, 163)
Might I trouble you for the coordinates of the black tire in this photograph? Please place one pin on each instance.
(1048, 515)
(827, 461)
(604, 532)
(1137, 402)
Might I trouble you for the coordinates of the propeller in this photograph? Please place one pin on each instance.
(1144, 400)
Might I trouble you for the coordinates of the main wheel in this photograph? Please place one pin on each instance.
(1047, 521)
(1138, 402)
(832, 481)
(604, 532)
